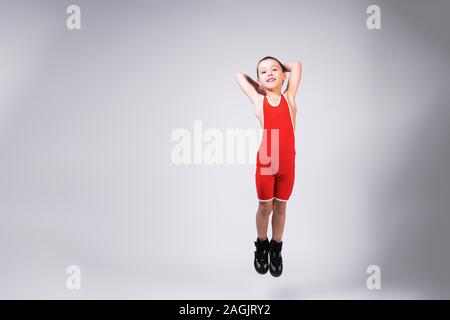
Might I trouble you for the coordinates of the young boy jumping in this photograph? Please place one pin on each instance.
(275, 163)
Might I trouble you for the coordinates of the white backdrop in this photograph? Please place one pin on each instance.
(86, 176)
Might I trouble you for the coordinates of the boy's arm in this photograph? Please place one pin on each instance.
(295, 68)
(250, 87)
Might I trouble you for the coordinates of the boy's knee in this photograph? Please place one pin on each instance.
(266, 206)
(279, 204)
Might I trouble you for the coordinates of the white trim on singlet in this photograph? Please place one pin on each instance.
(265, 200)
(290, 115)
(262, 111)
(278, 104)
(280, 199)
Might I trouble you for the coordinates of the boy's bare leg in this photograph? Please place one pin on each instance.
(278, 219)
(262, 218)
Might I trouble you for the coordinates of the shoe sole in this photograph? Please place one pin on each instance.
(261, 272)
(275, 275)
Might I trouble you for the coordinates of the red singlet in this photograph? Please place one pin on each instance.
(275, 162)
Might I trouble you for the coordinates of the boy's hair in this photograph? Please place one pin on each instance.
(269, 57)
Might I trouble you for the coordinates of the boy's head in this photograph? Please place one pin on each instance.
(270, 72)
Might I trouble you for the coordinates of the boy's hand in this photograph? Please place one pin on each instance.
(291, 65)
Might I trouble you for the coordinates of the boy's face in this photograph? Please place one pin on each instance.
(270, 74)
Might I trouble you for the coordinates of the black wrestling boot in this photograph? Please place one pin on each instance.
(276, 261)
(261, 261)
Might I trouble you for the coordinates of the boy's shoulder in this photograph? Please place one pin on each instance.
(290, 99)
(258, 103)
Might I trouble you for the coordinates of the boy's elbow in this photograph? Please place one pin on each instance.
(240, 77)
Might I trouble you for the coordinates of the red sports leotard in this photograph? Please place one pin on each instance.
(275, 162)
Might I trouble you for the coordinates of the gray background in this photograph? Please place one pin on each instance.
(86, 176)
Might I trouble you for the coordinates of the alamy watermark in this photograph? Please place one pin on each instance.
(73, 281)
(374, 280)
(73, 21)
(228, 146)
(374, 20)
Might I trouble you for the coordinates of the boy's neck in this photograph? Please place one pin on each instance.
(273, 94)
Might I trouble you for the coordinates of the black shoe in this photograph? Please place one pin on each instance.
(261, 261)
(276, 261)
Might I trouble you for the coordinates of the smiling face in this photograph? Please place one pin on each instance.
(271, 75)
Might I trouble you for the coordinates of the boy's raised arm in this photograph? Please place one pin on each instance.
(250, 87)
(295, 68)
